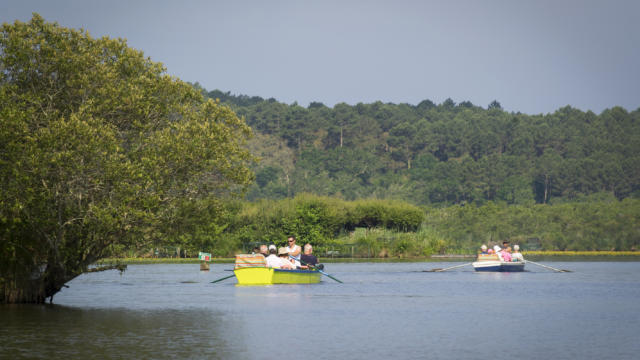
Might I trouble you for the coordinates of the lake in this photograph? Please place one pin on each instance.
(383, 310)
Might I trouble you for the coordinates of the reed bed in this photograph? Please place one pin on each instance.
(581, 253)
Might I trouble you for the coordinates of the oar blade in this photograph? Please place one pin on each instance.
(548, 267)
(449, 268)
(333, 278)
(224, 278)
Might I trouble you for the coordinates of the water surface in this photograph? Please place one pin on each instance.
(383, 310)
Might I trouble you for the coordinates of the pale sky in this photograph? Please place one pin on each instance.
(533, 56)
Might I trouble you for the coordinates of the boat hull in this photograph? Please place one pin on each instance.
(269, 276)
(498, 266)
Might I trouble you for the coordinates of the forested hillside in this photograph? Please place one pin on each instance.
(440, 154)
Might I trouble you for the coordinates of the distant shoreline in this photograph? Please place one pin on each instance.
(536, 254)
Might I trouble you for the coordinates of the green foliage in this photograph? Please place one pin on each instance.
(317, 220)
(100, 151)
(593, 225)
(443, 154)
(577, 226)
(388, 214)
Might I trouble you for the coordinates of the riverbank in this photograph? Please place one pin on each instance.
(552, 255)
(582, 253)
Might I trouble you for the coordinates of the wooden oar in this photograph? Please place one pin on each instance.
(321, 272)
(548, 267)
(224, 278)
(445, 269)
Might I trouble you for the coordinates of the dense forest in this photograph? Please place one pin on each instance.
(569, 180)
(440, 154)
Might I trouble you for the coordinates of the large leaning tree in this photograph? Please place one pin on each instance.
(98, 148)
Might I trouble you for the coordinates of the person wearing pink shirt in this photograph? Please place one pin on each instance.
(506, 254)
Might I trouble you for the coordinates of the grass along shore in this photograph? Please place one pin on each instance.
(581, 253)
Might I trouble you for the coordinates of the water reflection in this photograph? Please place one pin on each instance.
(55, 331)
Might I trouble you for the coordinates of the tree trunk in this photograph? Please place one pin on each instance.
(24, 290)
(546, 188)
(27, 290)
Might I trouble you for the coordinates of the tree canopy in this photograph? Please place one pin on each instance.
(444, 154)
(100, 149)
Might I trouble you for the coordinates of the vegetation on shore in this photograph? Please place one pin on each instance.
(384, 229)
(582, 253)
(539, 253)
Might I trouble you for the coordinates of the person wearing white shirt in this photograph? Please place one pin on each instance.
(516, 255)
(273, 260)
(498, 252)
(283, 256)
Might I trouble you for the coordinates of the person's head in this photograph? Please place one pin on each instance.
(283, 252)
(508, 249)
(505, 244)
(483, 247)
(264, 249)
(291, 240)
(516, 248)
(308, 249)
(272, 249)
(256, 250)
(496, 248)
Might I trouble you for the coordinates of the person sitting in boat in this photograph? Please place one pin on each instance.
(283, 256)
(273, 260)
(483, 249)
(505, 244)
(517, 255)
(506, 254)
(294, 250)
(264, 250)
(498, 251)
(307, 258)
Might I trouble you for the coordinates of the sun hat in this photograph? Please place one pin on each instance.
(272, 247)
(483, 247)
(283, 251)
(496, 248)
(516, 247)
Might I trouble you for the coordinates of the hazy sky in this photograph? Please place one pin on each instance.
(532, 56)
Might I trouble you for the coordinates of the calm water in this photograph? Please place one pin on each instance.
(383, 310)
